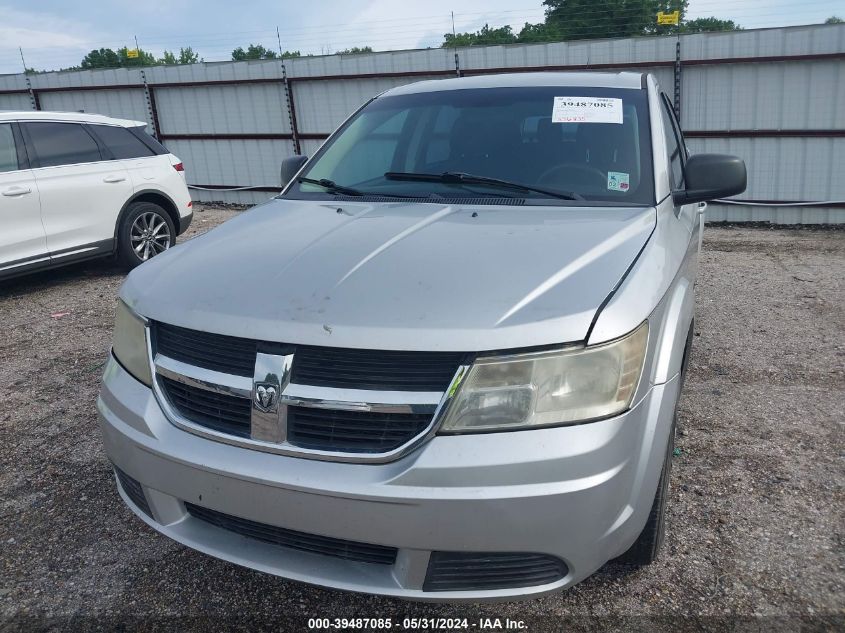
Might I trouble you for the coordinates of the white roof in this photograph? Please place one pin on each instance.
(588, 79)
(79, 117)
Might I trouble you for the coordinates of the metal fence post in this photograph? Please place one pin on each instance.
(677, 103)
(33, 97)
(294, 133)
(151, 109)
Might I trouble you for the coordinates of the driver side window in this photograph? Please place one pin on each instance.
(675, 150)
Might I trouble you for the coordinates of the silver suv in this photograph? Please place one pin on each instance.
(444, 363)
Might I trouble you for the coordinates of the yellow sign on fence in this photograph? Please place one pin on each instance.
(668, 18)
(132, 53)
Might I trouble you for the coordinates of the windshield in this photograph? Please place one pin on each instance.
(593, 142)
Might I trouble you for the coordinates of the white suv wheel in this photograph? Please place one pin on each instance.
(149, 235)
(146, 230)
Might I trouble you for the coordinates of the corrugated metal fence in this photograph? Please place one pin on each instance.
(775, 97)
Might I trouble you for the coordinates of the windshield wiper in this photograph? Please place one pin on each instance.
(331, 186)
(471, 179)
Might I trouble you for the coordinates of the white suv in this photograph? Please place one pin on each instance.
(77, 186)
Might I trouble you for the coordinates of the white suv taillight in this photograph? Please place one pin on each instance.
(179, 167)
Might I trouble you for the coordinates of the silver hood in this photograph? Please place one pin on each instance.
(396, 276)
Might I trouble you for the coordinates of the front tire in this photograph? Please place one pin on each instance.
(145, 231)
(647, 546)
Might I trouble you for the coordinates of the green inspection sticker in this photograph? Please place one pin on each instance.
(617, 181)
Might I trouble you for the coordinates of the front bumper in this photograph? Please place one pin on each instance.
(580, 493)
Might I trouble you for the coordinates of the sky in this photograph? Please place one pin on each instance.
(55, 33)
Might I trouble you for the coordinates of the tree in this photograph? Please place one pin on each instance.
(186, 56)
(591, 19)
(253, 51)
(100, 58)
(107, 58)
(355, 50)
(543, 32)
(834, 19)
(484, 37)
(257, 51)
(144, 58)
(704, 25)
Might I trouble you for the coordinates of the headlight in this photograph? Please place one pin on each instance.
(549, 388)
(130, 343)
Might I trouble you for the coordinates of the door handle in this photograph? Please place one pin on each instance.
(114, 179)
(16, 191)
(702, 207)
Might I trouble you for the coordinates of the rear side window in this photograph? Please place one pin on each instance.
(121, 142)
(61, 144)
(141, 134)
(8, 152)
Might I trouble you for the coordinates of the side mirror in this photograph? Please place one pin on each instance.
(711, 176)
(290, 166)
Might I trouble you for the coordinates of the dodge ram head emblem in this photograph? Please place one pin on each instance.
(266, 397)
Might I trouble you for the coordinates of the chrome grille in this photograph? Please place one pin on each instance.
(219, 412)
(228, 354)
(352, 431)
(318, 402)
(374, 369)
(313, 365)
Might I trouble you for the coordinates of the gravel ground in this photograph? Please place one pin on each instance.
(755, 537)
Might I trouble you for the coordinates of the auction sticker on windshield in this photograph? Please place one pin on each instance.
(587, 110)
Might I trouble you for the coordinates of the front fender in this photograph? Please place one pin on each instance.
(677, 319)
(660, 287)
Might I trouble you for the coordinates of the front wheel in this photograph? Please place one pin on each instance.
(647, 546)
(145, 231)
